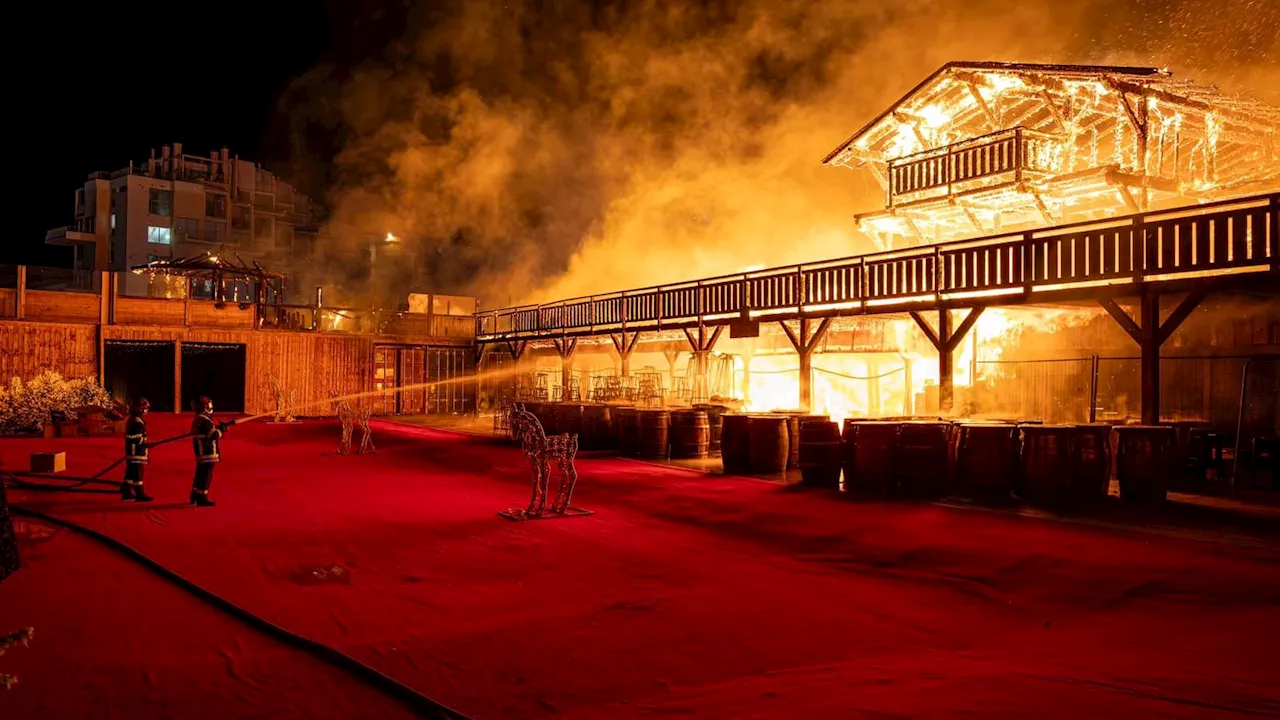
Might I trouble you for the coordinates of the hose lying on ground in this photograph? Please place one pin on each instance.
(413, 700)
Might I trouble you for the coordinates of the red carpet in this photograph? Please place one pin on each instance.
(686, 594)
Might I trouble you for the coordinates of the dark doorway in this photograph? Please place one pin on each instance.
(135, 368)
(215, 371)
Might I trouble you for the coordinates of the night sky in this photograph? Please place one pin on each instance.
(114, 80)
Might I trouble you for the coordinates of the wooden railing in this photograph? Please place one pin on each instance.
(1218, 238)
(109, 306)
(1007, 152)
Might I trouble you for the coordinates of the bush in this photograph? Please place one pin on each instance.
(26, 407)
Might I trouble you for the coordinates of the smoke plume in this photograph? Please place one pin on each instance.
(540, 150)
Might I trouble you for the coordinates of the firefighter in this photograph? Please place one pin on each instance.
(135, 452)
(205, 439)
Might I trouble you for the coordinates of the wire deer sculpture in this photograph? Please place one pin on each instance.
(284, 400)
(545, 454)
(350, 417)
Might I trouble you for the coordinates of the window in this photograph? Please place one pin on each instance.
(215, 231)
(186, 229)
(240, 217)
(159, 235)
(215, 205)
(113, 222)
(161, 202)
(262, 228)
(264, 202)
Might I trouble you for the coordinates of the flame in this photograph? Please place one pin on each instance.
(391, 238)
(934, 117)
(904, 381)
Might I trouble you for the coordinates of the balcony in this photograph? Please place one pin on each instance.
(999, 159)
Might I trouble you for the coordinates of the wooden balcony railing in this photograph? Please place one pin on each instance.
(1008, 152)
(1221, 238)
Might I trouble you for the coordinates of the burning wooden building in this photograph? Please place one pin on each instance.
(1075, 214)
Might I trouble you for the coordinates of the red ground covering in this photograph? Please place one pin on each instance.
(687, 594)
(113, 640)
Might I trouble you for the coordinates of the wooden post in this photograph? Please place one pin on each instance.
(946, 368)
(701, 345)
(805, 344)
(945, 341)
(186, 303)
(565, 347)
(21, 299)
(106, 299)
(177, 376)
(1151, 334)
(624, 346)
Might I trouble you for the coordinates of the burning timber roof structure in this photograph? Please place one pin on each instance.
(207, 265)
(984, 147)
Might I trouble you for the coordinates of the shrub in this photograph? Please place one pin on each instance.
(25, 407)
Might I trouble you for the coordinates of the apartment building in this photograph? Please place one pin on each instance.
(178, 205)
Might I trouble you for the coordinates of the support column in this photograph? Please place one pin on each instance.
(516, 349)
(20, 299)
(565, 347)
(1150, 334)
(805, 343)
(945, 340)
(701, 345)
(625, 345)
(177, 376)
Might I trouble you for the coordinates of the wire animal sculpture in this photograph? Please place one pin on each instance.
(546, 454)
(362, 415)
(346, 415)
(284, 401)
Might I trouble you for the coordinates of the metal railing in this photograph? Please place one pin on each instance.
(1229, 235)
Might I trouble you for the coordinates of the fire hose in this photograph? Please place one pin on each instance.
(414, 701)
(78, 483)
(411, 699)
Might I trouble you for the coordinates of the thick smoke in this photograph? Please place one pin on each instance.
(542, 150)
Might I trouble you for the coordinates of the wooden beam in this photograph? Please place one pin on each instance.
(957, 336)
(20, 299)
(812, 343)
(927, 330)
(795, 342)
(1179, 314)
(1122, 318)
(982, 105)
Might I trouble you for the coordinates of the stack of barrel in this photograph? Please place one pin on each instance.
(1065, 464)
(770, 443)
(893, 457)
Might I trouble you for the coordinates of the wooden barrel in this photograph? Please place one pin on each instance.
(1047, 465)
(923, 457)
(735, 443)
(714, 414)
(871, 449)
(597, 427)
(626, 430)
(769, 444)
(654, 427)
(1091, 451)
(821, 453)
(690, 433)
(987, 459)
(1144, 455)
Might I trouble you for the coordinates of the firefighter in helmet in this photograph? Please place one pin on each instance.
(135, 452)
(205, 439)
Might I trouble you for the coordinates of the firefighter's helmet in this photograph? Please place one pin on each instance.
(141, 405)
